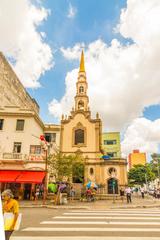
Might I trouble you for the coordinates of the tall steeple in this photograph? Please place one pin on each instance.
(81, 98)
(82, 68)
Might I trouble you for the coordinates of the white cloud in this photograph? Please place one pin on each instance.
(72, 53)
(123, 79)
(71, 11)
(142, 134)
(21, 41)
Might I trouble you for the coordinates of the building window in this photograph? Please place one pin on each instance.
(81, 89)
(91, 171)
(1, 124)
(79, 136)
(110, 142)
(112, 154)
(20, 125)
(50, 137)
(112, 171)
(35, 149)
(80, 105)
(17, 147)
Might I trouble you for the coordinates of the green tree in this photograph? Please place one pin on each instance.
(69, 166)
(139, 174)
(78, 171)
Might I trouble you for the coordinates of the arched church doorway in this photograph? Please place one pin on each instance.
(112, 186)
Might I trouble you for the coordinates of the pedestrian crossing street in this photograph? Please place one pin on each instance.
(113, 224)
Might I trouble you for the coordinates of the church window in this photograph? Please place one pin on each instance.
(91, 171)
(81, 89)
(80, 105)
(79, 136)
(112, 171)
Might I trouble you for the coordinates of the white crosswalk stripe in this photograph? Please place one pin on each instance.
(84, 238)
(111, 224)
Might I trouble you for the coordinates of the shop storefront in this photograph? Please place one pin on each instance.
(22, 183)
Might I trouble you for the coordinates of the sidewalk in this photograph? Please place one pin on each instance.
(137, 202)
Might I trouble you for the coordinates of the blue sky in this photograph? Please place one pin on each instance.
(91, 21)
(43, 42)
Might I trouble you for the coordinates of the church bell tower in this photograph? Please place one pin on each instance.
(81, 98)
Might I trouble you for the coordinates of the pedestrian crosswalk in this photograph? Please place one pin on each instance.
(113, 224)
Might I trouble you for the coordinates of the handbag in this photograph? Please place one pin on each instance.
(8, 221)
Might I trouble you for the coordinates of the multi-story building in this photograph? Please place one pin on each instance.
(136, 157)
(22, 157)
(111, 144)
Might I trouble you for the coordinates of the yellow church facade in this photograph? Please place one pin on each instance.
(82, 134)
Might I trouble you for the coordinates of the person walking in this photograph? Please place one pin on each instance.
(10, 205)
(37, 193)
(121, 191)
(72, 194)
(128, 194)
(142, 192)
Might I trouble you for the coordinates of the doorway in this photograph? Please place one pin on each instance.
(27, 191)
(112, 186)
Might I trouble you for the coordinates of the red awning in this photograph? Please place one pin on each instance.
(30, 177)
(9, 176)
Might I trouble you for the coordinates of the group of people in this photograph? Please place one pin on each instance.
(128, 191)
(60, 188)
(90, 194)
(156, 193)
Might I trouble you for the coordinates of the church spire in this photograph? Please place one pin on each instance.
(82, 68)
(81, 98)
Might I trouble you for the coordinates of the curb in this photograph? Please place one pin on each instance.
(54, 207)
(137, 206)
(89, 207)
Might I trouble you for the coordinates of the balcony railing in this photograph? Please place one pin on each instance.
(24, 157)
(12, 156)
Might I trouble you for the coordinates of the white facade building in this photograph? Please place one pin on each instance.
(22, 158)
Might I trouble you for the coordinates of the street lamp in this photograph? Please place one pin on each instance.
(45, 148)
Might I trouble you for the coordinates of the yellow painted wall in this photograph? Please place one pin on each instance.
(114, 147)
(137, 158)
(92, 136)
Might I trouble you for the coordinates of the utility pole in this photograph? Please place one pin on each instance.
(45, 148)
(46, 176)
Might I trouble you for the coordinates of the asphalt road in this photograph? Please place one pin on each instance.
(113, 224)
